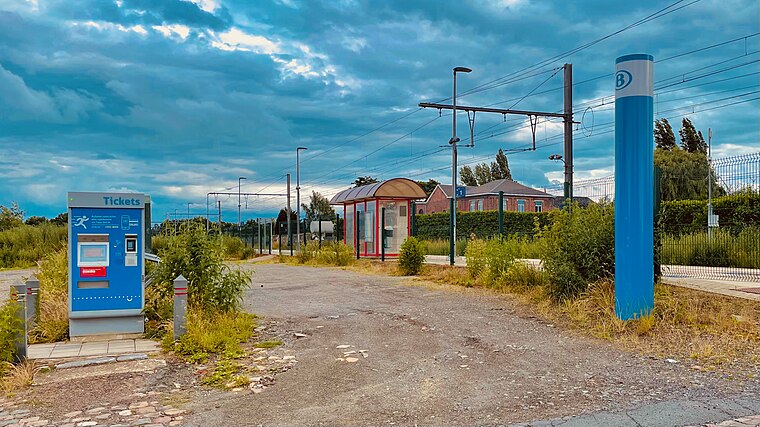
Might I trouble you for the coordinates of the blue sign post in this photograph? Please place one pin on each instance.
(106, 263)
(634, 178)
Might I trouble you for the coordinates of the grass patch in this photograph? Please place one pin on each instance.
(53, 322)
(212, 333)
(267, 344)
(226, 374)
(18, 376)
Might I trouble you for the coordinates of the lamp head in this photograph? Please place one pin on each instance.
(462, 70)
(301, 148)
(454, 140)
(555, 157)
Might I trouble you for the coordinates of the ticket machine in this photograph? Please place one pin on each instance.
(106, 263)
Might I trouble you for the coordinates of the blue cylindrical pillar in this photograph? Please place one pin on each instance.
(634, 177)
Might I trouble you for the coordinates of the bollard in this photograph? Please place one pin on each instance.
(180, 306)
(20, 341)
(32, 303)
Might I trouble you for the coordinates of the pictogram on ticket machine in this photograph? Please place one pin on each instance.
(106, 263)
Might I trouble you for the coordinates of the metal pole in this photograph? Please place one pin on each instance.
(501, 213)
(270, 237)
(290, 233)
(568, 121)
(207, 213)
(298, 194)
(319, 227)
(709, 183)
(258, 227)
(453, 204)
(357, 234)
(412, 218)
(382, 234)
(240, 225)
(219, 207)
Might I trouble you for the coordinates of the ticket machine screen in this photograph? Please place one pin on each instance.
(93, 254)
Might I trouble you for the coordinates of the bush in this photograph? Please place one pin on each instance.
(441, 246)
(736, 211)
(53, 322)
(579, 249)
(489, 260)
(411, 257)
(24, 245)
(233, 247)
(482, 224)
(10, 325)
(211, 285)
(335, 253)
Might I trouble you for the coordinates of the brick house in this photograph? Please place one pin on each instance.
(517, 197)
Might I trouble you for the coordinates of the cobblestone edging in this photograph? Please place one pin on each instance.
(140, 413)
(751, 421)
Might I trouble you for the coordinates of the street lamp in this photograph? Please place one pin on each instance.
(176, 220)
(240, 224)
(453, 141)
(298, 196)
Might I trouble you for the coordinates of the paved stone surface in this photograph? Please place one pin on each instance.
(67, 349)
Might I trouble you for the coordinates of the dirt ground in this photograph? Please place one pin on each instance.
(433, 355)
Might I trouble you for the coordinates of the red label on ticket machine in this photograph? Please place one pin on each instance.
(92, 272)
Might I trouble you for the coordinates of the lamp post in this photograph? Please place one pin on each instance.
(453, 141)
(176, 220)
(240, 224)
(298, 195)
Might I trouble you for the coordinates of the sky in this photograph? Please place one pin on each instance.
(177, 99)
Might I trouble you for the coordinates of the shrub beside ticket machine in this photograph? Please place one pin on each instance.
(106, 263)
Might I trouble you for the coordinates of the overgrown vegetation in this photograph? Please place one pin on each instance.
(331, 253)
(10, 325)
(578, 249)
(216, 326)
(411, 257)
(23, 245)
(53, 323)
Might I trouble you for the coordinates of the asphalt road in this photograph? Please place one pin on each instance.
(449, 356)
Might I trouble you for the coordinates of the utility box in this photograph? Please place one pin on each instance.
(106, 263)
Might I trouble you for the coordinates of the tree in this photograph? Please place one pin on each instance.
(429, 185)
(35, 220)
(319, 207)
(466, 176)
(664, 136)
(483, 173)
(60, 219)
(502, 166)
(684, 175)
(11, 217)
(691, 140)
(364, 180)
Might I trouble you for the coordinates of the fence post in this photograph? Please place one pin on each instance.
(32, 305)
(20, 341)
(269, 235)
(337, 228)
(180, 306)
(382, 235)
(319, 229)
(501, 213)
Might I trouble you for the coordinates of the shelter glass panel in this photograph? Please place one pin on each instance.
(350, 227)
(370, 227)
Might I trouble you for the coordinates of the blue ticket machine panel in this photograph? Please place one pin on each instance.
(106, 263)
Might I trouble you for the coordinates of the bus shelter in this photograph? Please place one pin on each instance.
(363, 209)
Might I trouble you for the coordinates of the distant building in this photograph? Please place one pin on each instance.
(517, 198)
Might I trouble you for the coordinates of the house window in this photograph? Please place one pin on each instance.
(504, 204)
(402, 210)
(472, 205)
(520, 205)
(539, 206)
(480, 204)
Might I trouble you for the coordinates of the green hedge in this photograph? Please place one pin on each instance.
(482, 224)
(736, 212)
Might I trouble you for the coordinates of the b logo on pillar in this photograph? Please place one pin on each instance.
(622, 79)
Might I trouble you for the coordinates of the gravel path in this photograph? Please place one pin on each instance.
(435, 356)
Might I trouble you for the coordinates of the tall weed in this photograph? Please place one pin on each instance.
(53, 322)
(24, 245)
